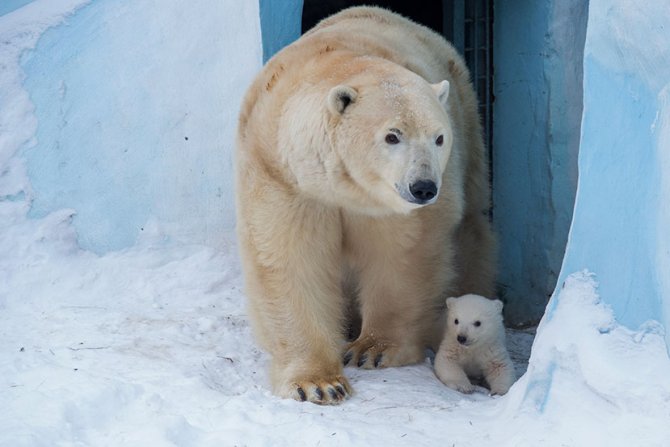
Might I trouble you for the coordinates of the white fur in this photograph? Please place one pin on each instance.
(481, 353)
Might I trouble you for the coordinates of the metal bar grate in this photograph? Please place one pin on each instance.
(468, 24)
(478, 56)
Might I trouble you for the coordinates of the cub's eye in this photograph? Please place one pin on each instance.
(478, 323)
(456, 321)
(392, 138)
(439, 140)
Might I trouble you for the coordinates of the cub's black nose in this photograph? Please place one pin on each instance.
(423, 190)
(462, 339)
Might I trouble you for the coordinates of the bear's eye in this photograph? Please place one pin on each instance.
(456, 321)
(439, 140)
(392, 138)
(478, 323)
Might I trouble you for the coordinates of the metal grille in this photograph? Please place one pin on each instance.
(468, 24)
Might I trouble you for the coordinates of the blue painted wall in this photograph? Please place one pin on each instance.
(280, 24)
(621, 226)
(537, 112)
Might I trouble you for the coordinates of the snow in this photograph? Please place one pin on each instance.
(136, 113)
(623, 188)
(150, 344)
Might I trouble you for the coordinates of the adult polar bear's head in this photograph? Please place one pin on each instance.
(367, 135)
(392, 137)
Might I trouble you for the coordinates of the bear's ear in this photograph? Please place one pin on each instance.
(498, 304)
(450, 301)
(340, 97)
(442, 92)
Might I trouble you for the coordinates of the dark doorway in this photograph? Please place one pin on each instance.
(428, 12)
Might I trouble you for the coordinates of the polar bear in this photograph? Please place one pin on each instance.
(362, 197)
(474, 346)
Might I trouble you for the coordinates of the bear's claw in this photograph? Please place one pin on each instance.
(369, 353)
(323, 392)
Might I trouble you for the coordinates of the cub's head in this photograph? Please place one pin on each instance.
(393, 137)
(472, 319)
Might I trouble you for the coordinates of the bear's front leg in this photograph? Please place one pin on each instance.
(401, 277)
(499, 374)
(451, 373)
(292, 258)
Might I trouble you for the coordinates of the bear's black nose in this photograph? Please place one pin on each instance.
(462, 339)
(423, 190)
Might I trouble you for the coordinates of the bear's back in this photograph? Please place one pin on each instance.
(337, 44)
(379, 32)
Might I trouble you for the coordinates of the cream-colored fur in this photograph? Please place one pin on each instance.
(474, 346)
(325, 212)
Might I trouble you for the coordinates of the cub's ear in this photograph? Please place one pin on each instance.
(498, 304)
(442, 92)
(450, 301)
(340, 97)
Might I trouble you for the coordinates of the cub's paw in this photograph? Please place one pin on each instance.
(498, 388)
(463, 387)
(322, 391)
(368, 352)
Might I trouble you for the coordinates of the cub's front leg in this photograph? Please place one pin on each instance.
(451, 373)
(499, 372)
(291, 251)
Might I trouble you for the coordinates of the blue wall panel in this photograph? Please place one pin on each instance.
(537, 112)
(280, 24)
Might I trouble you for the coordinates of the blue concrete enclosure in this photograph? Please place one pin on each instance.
(536, 118)
(280, 24)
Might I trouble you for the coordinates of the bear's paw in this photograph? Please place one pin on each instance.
(318, 390)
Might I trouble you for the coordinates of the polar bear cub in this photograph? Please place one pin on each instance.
(474, 346)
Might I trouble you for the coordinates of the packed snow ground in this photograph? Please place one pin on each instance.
(151, 345)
